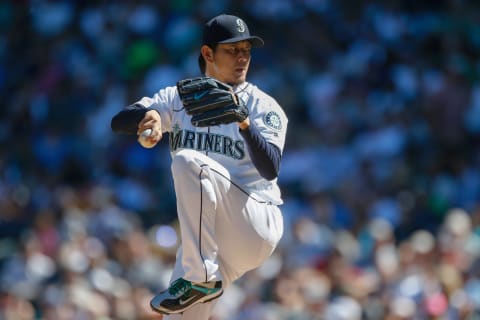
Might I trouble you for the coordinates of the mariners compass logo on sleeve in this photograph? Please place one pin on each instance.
(272, 119)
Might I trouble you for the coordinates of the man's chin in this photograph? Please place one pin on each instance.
(239, 80)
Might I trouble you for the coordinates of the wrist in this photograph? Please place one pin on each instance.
(244, 125)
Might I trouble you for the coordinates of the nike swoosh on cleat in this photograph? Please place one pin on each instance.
(198, 95)
(182, 302)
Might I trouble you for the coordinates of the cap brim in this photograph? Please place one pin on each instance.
(254, 40)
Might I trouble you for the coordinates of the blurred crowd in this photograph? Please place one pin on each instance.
(380, 174)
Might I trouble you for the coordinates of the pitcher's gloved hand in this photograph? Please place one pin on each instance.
(210, 102)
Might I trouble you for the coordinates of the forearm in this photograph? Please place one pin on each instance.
(265, 156)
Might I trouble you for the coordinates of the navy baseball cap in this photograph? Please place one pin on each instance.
(228, 29)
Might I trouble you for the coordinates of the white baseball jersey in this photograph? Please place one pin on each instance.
(224, 143)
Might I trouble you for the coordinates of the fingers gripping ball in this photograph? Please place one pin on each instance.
(210, 102)
(145, 140)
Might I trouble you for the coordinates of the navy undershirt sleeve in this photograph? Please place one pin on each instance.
(127, 120)
(265, 156)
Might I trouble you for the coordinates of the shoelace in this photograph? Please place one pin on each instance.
(179, 286)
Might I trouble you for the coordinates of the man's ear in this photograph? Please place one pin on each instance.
(207, 53)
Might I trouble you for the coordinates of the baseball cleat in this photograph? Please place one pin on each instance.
(183, 294)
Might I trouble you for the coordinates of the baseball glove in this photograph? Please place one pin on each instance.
(210, 102)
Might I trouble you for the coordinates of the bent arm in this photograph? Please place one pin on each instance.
(127, 120)
(134, 119)
(265, 155)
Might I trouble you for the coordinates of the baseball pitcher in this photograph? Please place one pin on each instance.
(226, 140)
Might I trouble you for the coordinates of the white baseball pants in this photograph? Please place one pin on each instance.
(225, 232)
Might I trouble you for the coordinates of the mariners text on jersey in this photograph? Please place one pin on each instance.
(208, 142)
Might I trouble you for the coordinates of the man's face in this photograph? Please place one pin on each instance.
(231, 61)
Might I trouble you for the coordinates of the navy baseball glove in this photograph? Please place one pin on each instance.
(210, 102)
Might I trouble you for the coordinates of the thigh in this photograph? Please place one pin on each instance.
(246, 237)
(246, 228)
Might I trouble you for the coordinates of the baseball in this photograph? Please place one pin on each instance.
(144, 140)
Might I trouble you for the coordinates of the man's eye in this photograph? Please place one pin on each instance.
(236, 51)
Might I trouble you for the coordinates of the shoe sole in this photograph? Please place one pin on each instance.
(208, 299)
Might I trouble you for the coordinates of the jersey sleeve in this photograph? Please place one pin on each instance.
(164, 102)
(270, 119)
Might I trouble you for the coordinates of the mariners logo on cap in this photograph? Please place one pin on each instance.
(272, 119)
(240, 25)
